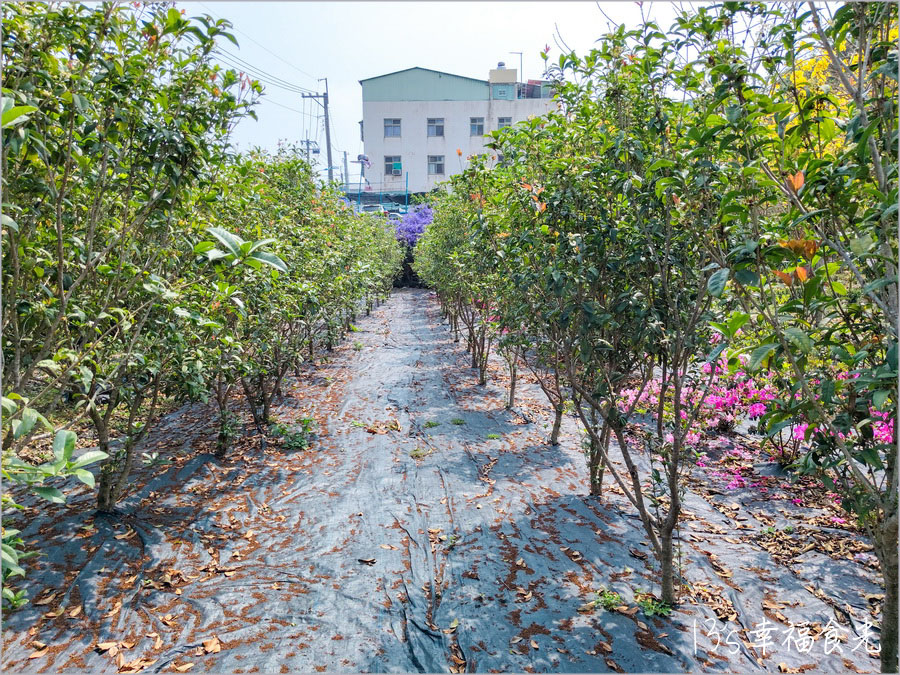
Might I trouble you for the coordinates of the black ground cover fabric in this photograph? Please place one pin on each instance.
(394, 545)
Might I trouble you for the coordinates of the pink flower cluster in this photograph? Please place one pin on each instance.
(883, 427)
(730, 398)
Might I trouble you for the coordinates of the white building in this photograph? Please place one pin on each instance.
(415, 120)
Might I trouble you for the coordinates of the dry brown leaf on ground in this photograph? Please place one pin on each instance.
(47, 600)
(212, 645)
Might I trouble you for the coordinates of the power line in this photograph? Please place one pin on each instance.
(258, 75)
(262, 46)
(274, 78)
(286, 107)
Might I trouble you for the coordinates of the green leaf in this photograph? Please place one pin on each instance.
(717, 281)
(85, 477)
(51, 494)
(746, 277)
(64, 444)
(9, 407)
(879, 398)
(661, 164)
(270, 259)
(799, 339)
(6, 221)
(861, 245)
(203, 247)
(16, 115)
(89, 457)
(737, 320)
(759, 355)
(230, 241)
(714, 354)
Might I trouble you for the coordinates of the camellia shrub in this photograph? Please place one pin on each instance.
(143, 262)
(704, 240)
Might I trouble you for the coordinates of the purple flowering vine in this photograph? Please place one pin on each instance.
(413, 223)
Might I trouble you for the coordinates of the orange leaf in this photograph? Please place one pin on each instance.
(542, 207)
(676, 199)
(796, 181)
(526, 186)
(809, 248)
(801, 273)
(786, 279)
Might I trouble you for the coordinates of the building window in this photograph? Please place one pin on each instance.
(435, 164)
(476, 126)
(391, 128)
(392, 165)
(436, 126)
(503, 122)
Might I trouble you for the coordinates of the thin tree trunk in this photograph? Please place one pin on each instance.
(513, 372)
(888, 638)
(557, 424)
(666, 560)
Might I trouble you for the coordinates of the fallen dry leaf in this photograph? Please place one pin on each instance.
(38, 654)
(605, 647)
(184, 667)
(366, 561)
(534, 645)
(212, 645)
(47, 600)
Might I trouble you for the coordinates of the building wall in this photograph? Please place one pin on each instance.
(419, 84)
(414, 146)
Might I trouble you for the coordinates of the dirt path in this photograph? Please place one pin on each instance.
(427, 529)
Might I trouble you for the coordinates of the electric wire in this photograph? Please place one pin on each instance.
(258, 76)
(264, 73)
(260, 45)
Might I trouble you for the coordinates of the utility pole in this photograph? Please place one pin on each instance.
(521, 75)
(346, 170)
(328, 135)
(324, 98)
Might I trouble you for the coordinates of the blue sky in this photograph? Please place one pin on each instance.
(300, 42)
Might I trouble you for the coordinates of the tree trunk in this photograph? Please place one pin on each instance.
(888, 639)
(513, 372)
(557, 424)
(596, 473)
(105, 503)
(222, 442)
(666, 561)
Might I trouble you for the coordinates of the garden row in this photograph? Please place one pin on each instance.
(145, 263)
(704, 230)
